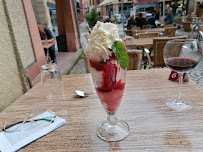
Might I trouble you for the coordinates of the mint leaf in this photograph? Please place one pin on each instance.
(120, 54)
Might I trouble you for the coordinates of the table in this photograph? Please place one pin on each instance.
(153, 126)
(47, 46)
(158, 30)
(142, 42)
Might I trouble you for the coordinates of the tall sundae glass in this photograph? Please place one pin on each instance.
(108, 61)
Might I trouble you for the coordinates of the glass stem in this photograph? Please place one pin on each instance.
(180, 75)
(111, 117)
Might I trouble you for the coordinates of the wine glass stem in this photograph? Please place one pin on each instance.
(111, 117)
(180, 75)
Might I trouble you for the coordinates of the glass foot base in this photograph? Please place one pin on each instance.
(113, 132)
(179, 105)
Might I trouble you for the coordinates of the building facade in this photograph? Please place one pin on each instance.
(22, 53)
(115, 7)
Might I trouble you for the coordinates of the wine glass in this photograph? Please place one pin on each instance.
(109, 81)
(52, 83)
(181, 56)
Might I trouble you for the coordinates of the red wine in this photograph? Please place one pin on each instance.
(180, 64)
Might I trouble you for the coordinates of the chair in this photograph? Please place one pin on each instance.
(87, 64)
(170, 31)
(147, 35)
(189, 19)
(146, 26)
(135, 58)
(201, 28)
(165, 26)
(128, 32)
(200, 34)
(135, 28)
(158, 46)
(187, 28)
(87, 37)
(193, 15)
(178, 22)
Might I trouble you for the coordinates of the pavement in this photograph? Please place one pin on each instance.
(195, 75)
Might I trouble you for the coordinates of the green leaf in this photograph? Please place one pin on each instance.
(120, 54)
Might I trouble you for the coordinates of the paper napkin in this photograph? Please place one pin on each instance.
(13, 141)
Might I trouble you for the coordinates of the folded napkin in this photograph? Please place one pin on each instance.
(13, 141)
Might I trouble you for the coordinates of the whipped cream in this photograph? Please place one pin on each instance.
(100, 41)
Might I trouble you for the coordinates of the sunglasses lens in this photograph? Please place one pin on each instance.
(14, 123)
(44, 119)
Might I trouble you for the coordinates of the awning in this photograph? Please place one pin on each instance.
(146, 5)
(107, 2)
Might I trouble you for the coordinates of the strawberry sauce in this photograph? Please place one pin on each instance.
(111, 90)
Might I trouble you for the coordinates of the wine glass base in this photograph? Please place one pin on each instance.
(116, 132)
(179, 105)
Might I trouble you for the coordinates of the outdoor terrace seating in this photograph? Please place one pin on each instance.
(146, 26)
(158, 46)
(187, 28)
(170, 31)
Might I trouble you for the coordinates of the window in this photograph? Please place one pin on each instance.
(98, 2)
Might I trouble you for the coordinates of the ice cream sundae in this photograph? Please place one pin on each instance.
(108, 61)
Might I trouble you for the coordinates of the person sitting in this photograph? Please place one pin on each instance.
(47, 37)
(131, 22)
(140, 21)
(169, 18)
(151, 20)
(157, 15)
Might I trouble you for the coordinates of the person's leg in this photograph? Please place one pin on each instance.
(52, 55)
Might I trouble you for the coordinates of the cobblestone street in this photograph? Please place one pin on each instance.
(195, 75)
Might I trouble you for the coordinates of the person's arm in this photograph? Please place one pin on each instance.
(50, 38)
(166, 21)
(48, 41)
(154, 24)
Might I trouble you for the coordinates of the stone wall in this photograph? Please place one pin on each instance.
(43, 13)
(16, 52)
(34, 5)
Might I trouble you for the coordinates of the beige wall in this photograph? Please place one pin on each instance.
(16, 51)
(21, 33)
(34, 6)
